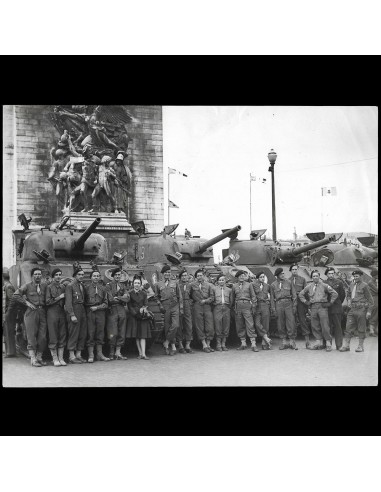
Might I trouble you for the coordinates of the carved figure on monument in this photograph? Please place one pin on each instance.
(89, 181)
(103, 194)
(123, 181)
(57, 176)
(73, 170)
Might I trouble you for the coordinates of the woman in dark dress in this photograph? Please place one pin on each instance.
(138, 325)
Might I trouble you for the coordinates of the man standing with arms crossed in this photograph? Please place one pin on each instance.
(244, 301)
(202, 294)
(318, 293)
(222, 305)
(33, 295)
(360, 304)
(283, 305)
(262, 313)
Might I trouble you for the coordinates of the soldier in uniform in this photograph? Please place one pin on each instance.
(318, 293)
(184, 331)
(96, 303)
(117, 316)
(201, 292)
(55, 295)
(301, 309)
(33, 295)
(335, 311)
(373, 287)
(167, 298)
(360, 304)
(9, 316)
(222, 301)
(76, 317)
(244, 301)
(262, 313)
(283, 306)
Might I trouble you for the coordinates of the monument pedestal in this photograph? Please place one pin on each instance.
(109, 221)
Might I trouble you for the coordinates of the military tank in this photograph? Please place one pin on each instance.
(267, 255)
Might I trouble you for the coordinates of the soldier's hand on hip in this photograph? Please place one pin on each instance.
(93, 308)
(74, 319)
(30, 305)
(62, 296)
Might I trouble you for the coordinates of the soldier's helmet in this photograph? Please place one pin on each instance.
(105, 159)
(60, 152)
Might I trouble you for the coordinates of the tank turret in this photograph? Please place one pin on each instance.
(80, 242)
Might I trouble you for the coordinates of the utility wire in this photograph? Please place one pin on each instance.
(326, 165)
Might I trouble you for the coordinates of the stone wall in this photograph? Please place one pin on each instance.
(28, 137)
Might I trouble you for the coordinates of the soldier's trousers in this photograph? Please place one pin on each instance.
(221, 315)
(35, 326)
(302, 311)
(9, 329)
(244, 322)
(56, 319)
(356, 318)
(171, 321)
(184, 331)
(336, 330)
(203, 318)
(374, 315)
(77, 332)
(285, 319)
(320, 322)
(262, 319)
(96, 323)
(116, 325)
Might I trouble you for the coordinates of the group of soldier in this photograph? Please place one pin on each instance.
(80, 314)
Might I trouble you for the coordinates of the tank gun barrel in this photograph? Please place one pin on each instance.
(217, 239)
(316, 244)
(80, 243)
(63, 223)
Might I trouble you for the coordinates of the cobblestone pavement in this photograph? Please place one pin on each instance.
(234, 368)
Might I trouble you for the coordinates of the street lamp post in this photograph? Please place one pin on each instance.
(272, 158)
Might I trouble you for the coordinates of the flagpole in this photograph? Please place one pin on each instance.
(250, 205)
(322, 215)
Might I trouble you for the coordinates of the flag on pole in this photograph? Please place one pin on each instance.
(174, 171)
(255, 178)
(171, 204)
(329, 191)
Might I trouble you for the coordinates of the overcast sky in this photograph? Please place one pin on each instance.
(218, 147)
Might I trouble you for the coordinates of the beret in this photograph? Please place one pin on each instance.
(165, 268)
(260, 273)
(77, 270)
(220, 275)
(95, 270)
(35, 269)
(116, 270)
(329, 269)
(278, 271)
(357, 272)
(315, 271)
(200, 270)
(181, 272)
(374, 273)
(240, 272)
(56, 270)
(294, 264)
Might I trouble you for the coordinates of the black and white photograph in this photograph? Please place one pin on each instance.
(190, 246)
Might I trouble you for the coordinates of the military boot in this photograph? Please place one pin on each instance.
(267, 341)
(284, 344)
(91, 354)
(219, 346)
(360, 347)
(39, 358)
(328, 346)
(33, 360)
(100, 355)
(224, 348)
(319, 345)
(292, 344)
(78, 356)
(61, 356)
(243, 344)
(56, 362)
(372, 331)
(254, 347)
(308, 343)
(346, 345)
(118, 355)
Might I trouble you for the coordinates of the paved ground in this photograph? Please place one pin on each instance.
(234, 368)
